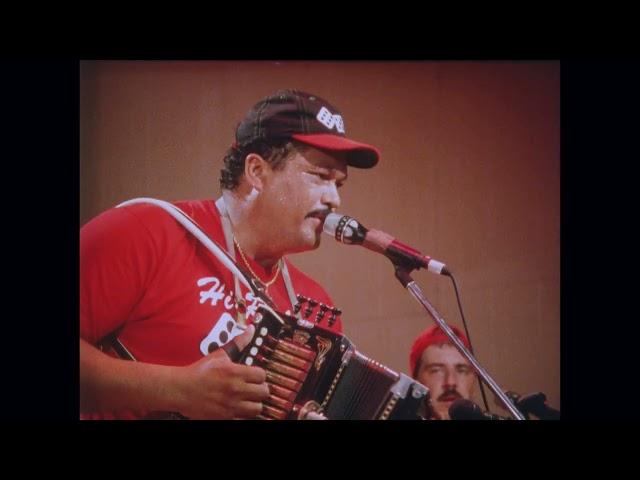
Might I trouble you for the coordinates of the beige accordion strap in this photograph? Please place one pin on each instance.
(228, 235)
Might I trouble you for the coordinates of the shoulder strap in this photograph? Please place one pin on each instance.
(228, 260)
(197, 232)
(228, 235)
(188, 223)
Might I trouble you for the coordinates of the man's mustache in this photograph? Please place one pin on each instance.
(449, 393)
(321, 213)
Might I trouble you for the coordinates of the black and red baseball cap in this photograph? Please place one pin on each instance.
(307, 118)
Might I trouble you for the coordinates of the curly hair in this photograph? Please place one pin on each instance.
(275, 152)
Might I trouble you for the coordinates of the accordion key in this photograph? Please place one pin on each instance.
(314, 372)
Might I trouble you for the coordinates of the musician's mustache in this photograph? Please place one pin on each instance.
(320, 213)
(449, 393)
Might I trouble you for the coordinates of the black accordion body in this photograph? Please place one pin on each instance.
(315, 373)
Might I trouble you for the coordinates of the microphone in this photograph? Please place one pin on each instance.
(348, 230)
(463, 409)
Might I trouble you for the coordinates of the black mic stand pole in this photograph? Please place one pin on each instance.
(402, 274)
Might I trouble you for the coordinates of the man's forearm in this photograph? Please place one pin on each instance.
(109, 384)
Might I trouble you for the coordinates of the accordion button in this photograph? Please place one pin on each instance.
(253, 351)
(263, 331)
(248, 361)
(258, 341)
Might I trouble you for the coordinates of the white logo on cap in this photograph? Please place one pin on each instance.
(330, 120)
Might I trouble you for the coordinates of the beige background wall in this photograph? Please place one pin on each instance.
(470, 174)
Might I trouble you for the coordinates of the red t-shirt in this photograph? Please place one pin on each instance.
(143, 275)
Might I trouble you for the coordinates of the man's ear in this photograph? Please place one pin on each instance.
(255, 169)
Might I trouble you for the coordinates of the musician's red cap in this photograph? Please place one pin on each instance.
(431, 336)
(307, 118)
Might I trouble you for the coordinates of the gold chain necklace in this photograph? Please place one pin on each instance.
(267, 284)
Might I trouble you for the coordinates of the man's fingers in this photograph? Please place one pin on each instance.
(243, 340)
(235, 346)
(256, 393)
(247, 409)
(253, 374)
(232, 351)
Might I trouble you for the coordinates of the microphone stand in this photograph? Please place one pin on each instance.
(403, 275)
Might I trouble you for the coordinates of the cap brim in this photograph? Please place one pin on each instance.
(360, 155)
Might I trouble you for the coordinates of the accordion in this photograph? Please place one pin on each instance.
(315, 373)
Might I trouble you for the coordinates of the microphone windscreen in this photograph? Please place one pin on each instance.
(463, 409)
(331, 223)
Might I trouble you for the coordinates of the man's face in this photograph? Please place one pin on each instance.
(448, 376)
(299, 196)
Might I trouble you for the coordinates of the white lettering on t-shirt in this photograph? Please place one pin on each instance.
(215, 293)
(224, 330)
(255, 303)
(228, 302)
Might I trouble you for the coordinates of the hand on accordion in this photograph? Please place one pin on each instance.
(217, 388)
